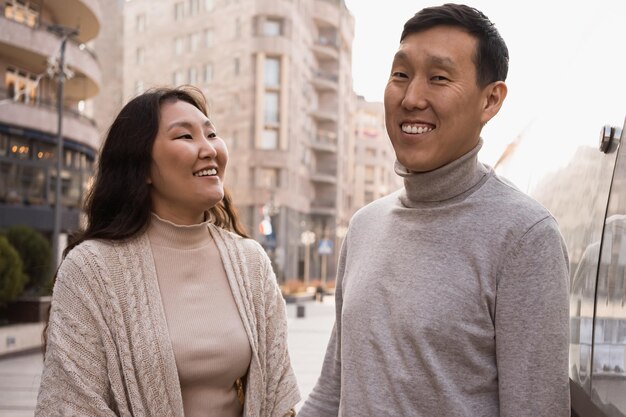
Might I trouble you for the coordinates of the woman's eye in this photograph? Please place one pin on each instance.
(212, 135)
(185, 136)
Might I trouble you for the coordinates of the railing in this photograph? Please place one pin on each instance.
(324, 41)
(47, 104)
(39, 25)
(327, 76)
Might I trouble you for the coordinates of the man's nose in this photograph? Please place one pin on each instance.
(415, 95)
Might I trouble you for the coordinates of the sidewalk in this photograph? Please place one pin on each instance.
(308, 336)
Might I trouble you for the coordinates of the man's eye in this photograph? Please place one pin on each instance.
(185, 136)
(398, 74)
(439, 78)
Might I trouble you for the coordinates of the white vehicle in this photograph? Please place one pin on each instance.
(583, 183)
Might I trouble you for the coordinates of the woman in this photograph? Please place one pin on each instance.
(159, 309)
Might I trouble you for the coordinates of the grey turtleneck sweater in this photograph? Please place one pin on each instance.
(452, 300)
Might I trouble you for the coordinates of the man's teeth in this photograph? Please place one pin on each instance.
(415, 129)
(206, 172)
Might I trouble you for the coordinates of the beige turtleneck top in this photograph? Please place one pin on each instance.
(208, 337)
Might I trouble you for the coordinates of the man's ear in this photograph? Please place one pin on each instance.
(494, 94)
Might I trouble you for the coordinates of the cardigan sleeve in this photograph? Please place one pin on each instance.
(325, 398)
(282, 392)
(532, 325)
(74, 380)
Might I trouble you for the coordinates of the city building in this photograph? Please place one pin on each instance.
(29, 53)
(277, 74)
(372, 173)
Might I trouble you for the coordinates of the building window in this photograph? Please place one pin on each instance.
(369, 174)
(268, 178)
(194, 41)
(208, 73)
(368, 197)
(272, 27)
(139, 88)
(4, 144)
(237, 66)
(208, 38)
(179, 45)
(269, 139)
(19, 148)
(140, 22)
(193, 76)
(140, 55)
(209, 5)
(272, 72)
(237, 28)
(178, 78)
(370, 152)
(194, 7)
(271, 107)
(271, 104)
(179, 11)
(21, 86)
(22, 11)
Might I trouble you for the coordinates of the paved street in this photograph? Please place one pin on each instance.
(308, 336)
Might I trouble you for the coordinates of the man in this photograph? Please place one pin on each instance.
(452, 293)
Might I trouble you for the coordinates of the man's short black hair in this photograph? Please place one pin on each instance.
(492, 56)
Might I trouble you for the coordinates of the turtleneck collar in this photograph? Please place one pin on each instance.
(165, 233)
(458, 177)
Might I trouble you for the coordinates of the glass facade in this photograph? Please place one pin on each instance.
(28, 171)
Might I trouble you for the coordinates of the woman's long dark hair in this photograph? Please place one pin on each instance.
(118, 205)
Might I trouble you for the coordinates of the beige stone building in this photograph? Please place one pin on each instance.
(28, 112)
(372, 174)
(277, 74)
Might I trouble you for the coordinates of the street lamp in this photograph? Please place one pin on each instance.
(64, 33)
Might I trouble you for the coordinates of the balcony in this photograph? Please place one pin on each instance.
(326, 49)
(42, 116)
(324, 143)
(28, 48)
(322, 208)
(325, 81)
(327, 13)
(324, 178)
(324, 116)
(83, 14)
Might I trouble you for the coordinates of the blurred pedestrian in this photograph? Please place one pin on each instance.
(163, 306)
(452, 293)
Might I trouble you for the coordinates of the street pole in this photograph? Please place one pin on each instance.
(307, 258)
(65, 33)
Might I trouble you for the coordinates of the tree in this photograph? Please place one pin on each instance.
(12, 277)
(35, 253)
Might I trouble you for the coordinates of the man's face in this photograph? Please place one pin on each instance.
(434, 109)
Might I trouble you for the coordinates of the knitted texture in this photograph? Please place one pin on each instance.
(109, 352)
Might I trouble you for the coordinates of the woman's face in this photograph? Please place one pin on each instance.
(188, 163)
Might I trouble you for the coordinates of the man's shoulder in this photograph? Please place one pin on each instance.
(506, 200)
(377, 207)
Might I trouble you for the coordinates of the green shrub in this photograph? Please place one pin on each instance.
(12, 277)
(35, 253)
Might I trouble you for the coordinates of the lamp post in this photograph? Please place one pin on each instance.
(64, 33)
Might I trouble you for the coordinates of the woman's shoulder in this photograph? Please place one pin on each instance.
(233, 240)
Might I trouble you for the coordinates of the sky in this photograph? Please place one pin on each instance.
(567, 68)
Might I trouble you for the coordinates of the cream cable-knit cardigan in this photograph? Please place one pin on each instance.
(109, 351)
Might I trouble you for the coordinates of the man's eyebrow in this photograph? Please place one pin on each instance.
(188, 125)
(400, 56)
(442, 61)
